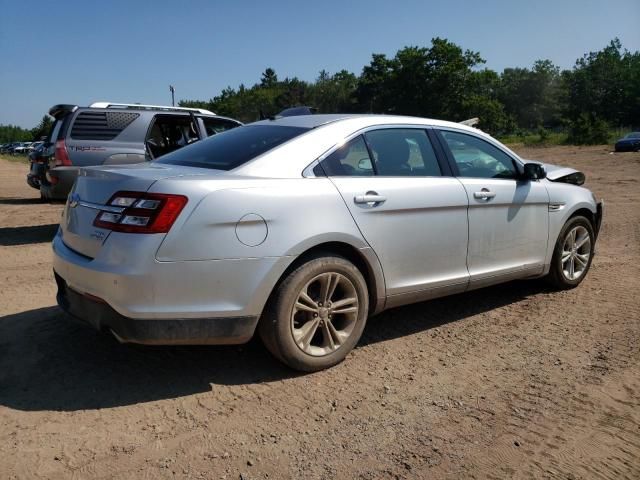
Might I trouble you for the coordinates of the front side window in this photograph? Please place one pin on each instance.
(230, 149)
(403, 152)
(477, 158)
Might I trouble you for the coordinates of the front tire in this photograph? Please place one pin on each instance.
(316, 315)
(573, 254)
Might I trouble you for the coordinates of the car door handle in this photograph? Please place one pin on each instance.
(370, 198)
(484, 194)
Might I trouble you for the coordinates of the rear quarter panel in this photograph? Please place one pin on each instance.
(292, 214)
(282, 217)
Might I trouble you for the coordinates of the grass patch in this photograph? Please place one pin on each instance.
(542, 138)
(14, 158)
(546, 138)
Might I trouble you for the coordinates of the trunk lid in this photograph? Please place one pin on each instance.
(93, 189)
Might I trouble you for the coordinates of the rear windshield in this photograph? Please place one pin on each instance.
(230, 149)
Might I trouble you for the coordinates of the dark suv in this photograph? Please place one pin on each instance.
(115, 134)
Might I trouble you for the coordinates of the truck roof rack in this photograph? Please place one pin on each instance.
(139, 106)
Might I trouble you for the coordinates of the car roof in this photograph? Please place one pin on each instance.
(314, 121)
(324, 133)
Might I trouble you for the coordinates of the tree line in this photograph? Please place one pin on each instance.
(600, 92)
(13, 133)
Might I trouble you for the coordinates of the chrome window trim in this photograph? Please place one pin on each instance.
(519, 164)
(308, 171)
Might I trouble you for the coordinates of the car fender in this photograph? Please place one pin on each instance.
(564, 201)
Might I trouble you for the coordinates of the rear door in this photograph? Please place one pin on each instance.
(508, 216)
(408, 209)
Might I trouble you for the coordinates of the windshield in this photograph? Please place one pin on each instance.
(230, 149)
(632, 135)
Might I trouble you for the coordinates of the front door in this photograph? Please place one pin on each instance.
(508, 216)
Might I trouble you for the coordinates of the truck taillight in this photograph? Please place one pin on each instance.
(139, 212)
(61, 155)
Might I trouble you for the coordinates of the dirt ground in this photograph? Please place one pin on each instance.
(513, 381)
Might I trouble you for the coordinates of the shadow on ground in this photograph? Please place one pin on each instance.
(10, 236)
(50, 363)
(20, 201)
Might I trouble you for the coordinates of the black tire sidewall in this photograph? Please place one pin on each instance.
(281, 338)
(557, 274)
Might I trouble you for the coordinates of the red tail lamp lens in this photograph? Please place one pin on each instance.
(141, 212)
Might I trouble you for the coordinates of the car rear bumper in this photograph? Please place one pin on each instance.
(96, 313)
(125, 289)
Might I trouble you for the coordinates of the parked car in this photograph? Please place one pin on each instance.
(22, 148)
(34, 146)
(38, 162)
(115, 134)
(629, 143)
(9, 147)
(302, 227)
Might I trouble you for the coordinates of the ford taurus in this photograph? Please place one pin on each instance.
(300, 228)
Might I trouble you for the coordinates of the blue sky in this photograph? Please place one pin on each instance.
(130, 51)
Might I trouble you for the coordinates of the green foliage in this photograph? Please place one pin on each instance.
(587, 129)
(444, 81)
(432, 82)
(519, 105)
(604, 85)
(42, 129)
(13, 133)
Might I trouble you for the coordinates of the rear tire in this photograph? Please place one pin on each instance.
(573, 254)
(316, 315)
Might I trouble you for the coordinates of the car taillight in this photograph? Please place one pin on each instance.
(141, 212)
(61, 155)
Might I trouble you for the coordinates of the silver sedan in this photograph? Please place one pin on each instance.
(300, 228)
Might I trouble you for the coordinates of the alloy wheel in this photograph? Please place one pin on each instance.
(576, 252)
(324, 314)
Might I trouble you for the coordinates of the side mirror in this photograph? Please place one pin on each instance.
(534, 171)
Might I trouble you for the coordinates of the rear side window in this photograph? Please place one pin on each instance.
(230, 149)
(403, 152)
(101, 125)
(217, 125)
